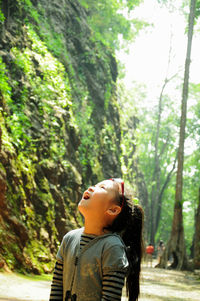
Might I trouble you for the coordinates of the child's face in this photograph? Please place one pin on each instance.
(97, 199)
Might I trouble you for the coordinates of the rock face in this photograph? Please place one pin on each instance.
(60, 127)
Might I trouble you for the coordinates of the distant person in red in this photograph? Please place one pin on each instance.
(149, 253)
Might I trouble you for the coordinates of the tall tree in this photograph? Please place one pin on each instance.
(197, 236)
(148, 154)
(158, 188)
(176, 244)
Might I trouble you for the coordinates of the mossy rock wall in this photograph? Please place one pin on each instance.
(60, 127)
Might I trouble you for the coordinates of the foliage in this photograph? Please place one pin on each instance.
(164, 227)
(2, 18)
(4, 86)
(5, 91)
(138, 137)
(39, 77)
(197, 14)
(50, 85)
(86, 147)
(138, 145)
(107, 21)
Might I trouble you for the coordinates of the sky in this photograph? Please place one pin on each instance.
(147, 59)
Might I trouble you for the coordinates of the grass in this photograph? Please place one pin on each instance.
(43, 277)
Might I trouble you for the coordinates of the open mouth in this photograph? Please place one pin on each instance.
(86, 195)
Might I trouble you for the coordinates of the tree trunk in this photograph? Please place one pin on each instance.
(176, 245)
(156, 176)
(197, 236)
(168, 178)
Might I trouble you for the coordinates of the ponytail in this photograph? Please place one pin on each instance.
(132, 238)
(129, 224)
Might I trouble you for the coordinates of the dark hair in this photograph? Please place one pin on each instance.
(129, 224)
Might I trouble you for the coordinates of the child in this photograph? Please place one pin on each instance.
(92, 262)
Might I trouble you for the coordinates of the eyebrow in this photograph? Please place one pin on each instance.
(101, 184)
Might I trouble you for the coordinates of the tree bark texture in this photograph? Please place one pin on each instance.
(197, 236)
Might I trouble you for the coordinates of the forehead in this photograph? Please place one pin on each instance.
(109, 184)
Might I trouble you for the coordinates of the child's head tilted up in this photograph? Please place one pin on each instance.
(100, 203)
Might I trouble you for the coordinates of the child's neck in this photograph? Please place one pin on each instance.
(93, 228)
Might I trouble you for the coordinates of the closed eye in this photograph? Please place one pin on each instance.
(103, 187)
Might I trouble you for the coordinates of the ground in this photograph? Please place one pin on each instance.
(168, 285)
(15, 287)
(156, 285)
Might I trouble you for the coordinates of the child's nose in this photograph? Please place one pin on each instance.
(91, 188)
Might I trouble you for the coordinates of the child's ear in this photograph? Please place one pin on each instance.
(114, 210)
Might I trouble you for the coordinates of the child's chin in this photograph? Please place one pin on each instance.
(81, 205)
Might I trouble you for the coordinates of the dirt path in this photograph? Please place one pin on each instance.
(18, 288)
(156, 285)
(168, 285)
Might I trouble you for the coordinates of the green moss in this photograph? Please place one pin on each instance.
(2, 17)
(5, 90)
(4, 86)
(50, 124)
(50, 85)
(10, 250)
(39, 255)
(32, 277)
(53, 40)
(21, 165)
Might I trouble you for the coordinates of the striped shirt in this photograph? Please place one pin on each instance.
(112, 283)
(57, 283)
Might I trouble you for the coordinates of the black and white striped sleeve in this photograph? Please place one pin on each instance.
(113, 283)
(115, 266)
(57, 283)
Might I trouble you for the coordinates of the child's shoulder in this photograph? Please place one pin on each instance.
(73, 233)
(113, 240)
